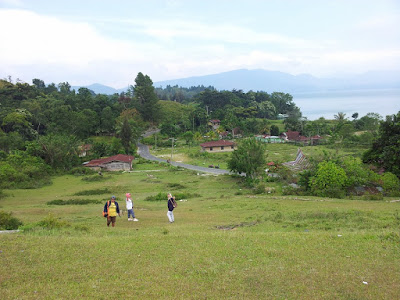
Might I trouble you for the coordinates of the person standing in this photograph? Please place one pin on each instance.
(171, 206)
(111, 208)
(129, 208)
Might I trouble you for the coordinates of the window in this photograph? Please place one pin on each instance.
(211, 148)
(222, 147)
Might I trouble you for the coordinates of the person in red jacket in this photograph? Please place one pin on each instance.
(111, 208)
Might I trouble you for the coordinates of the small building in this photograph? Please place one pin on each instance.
(84, 150)
(120, 162)
(214, 123)
(218, 146)
(270, 139)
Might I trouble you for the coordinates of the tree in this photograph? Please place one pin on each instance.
(58, 151)
(249, 158)
(126, 135)
(385, 150)
(340, 116)
(274, 130)
(146, 98)
(188, 136)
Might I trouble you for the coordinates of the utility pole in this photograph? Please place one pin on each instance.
(172, 146)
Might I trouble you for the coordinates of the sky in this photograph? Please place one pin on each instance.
(109, 42)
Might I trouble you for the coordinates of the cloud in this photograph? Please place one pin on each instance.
(87, 51)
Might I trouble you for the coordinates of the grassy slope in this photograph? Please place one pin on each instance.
(222, 245)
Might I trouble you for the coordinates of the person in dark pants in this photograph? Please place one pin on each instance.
(111, 208)
(171, 206)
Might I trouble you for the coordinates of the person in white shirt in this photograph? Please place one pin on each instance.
(129, 208)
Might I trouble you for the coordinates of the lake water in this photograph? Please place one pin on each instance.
(327, 104)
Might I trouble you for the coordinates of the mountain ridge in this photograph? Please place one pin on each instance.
(274, 81)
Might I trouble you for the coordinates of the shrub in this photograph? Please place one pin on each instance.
(390, 184)
(329, 180)
(73, 202)
(21, 170)
(259, 189)
(50, 222)
(95, 178)
(78, 171)
(163, 196)
(8, 222)
(175, 186)
(372, 196)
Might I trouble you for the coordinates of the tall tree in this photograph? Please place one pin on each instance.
(126, 135)
(146, 98)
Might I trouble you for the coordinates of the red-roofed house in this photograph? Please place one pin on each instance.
(120, 162)
(218, 146)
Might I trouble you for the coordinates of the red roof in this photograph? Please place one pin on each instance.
(215, 121)
(118, 157)
(293, 135)
(217, 143)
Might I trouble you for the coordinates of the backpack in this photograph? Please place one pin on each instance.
(105, 214)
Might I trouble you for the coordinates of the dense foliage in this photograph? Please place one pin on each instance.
(386, 148)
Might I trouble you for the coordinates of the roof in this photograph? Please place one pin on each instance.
(217, 143)
(215, 121)
(293, 135)
(118, 157)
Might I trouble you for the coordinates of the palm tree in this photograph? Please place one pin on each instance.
(340, 116)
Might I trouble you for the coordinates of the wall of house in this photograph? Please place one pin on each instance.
(117, 166)
(219, 149)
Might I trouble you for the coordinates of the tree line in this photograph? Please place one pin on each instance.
(44, 125)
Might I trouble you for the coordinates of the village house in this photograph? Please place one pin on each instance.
(214, 124)
(218, 146)
(295, 136)
(84, 150)
(120, 162)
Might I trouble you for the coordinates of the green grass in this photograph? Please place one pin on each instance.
(223, 245)
(275, 152)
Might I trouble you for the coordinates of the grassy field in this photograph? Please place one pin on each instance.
(226, 243)
(274, 152)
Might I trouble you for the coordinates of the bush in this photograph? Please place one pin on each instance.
(78, 171)
(51, 222)
(95, 178)
(73, 202)
(163, 196)
(8, 222)
(372, 196)
(390, 184)
(259, 189)
(329, 180)
(21, 170)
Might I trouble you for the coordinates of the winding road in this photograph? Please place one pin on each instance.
(143, 151)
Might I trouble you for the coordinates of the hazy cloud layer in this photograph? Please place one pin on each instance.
(111, 47)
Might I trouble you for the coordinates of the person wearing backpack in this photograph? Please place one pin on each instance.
(129, 208)
(111, 210)
(171, 205)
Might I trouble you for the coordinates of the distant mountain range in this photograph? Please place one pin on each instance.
(274, 81)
